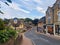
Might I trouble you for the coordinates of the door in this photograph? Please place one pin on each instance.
(59, 29)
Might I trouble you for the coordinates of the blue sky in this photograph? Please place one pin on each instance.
(25, 8)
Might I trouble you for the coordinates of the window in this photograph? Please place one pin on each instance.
(58, 4)
(58, 16)
(49, 18)
(48, 12)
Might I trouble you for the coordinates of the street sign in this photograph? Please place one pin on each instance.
(15, 20)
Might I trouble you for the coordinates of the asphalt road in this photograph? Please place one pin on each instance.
(40, 39)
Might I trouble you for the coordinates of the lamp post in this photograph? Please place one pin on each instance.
(15, 22)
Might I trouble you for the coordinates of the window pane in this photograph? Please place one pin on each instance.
(58, 16)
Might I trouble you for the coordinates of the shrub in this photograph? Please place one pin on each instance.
(2, 26)
(5, 35)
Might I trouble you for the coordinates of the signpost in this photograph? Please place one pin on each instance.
(15, 22)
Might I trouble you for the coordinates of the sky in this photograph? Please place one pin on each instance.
(25, 8)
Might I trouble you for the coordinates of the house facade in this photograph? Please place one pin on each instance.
(19, 25)
(53, 18)
(41, 24)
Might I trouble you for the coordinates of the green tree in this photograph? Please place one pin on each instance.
(6, 21)
(35, 21)
(2, 26)
(28, 20)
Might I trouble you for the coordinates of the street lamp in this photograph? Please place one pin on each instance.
(15, 22)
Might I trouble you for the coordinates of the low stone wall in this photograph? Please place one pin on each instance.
(18, 41)
(12, 41)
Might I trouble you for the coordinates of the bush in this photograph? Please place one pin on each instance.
(2, 26)
(5, 35)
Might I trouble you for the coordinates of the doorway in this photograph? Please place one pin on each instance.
(58, 29)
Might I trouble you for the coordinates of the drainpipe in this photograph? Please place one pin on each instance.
(46, 29)
(54, 29)
(53, 23)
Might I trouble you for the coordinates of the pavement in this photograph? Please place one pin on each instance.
(26, 41)
(50, 35)
(41, 39)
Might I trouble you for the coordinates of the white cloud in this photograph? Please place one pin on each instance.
(28, 4)
(6, 10)
(5, 16)
(40, 9)
(3, 0)
(10, 12)
(26, 0)
(16, 7)
(21, 8)
(38, 1)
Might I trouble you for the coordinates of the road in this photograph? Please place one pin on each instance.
(40, 39)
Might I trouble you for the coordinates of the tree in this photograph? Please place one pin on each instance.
(6, 21)
(35, 21)
(2, 26)
(28, 20)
